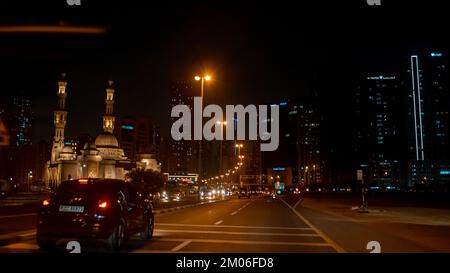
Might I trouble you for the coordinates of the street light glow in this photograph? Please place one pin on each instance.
(207, 77)
(197, 78)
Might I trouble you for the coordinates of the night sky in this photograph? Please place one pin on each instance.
(257, 53)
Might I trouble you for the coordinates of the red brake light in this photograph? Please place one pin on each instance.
(83, 181)
(46, 202)
(103, 204)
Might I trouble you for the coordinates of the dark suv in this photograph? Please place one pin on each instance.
(102, 210)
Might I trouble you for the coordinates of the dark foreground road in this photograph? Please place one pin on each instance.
(262, 225)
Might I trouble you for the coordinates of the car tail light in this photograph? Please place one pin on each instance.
(83, 181)
(103, 204)
(46, 202)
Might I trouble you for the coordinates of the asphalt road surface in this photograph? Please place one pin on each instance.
(259, 225)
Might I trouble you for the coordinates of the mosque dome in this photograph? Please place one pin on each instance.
(106, 140)
(67, 150)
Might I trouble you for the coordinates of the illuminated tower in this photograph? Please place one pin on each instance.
(108, 117)
(416, 84)
(60, 120)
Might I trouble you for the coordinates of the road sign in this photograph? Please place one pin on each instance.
(359, 175)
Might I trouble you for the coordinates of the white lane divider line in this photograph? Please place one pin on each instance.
(21, 246)
(218, 222)
(231, 226)
(28, 234)
(241, 208)
(237, 233)
(182, 245)
(22, 233)
(327, 239)
(17, 215)
(246, 242)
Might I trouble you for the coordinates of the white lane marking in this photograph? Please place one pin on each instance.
(298, 202)
(182, 245)
(218, 222)
(27, 234)
(327, 239)
(247, 242)
(231, 226)
(241, 208)
(17, 215)
(165, 251)
(237, 232)
(21, 246)
(18, 233)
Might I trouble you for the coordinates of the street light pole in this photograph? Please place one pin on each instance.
(314, 174)
(222, 124)
(307, 176)
(30, 176)
(202, 84)
(200, 141)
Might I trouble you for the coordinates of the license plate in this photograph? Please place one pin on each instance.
(71, 208)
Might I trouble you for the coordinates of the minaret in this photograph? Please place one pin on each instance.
(108, 117)
(60, 119)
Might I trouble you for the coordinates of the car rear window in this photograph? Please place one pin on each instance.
(89, 189)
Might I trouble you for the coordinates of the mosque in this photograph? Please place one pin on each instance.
(102, 158)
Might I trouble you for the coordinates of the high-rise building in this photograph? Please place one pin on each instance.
(19, 158)
(286, 157)
(378, 146)
(183, 153)
(426, 84)
(300, 150)
(138, 134)
(312, 161)
(440, 116)
(18, 116)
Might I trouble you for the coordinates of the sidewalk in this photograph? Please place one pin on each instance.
(400, 229)
(406, 215)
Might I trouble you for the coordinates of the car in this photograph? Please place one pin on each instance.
(108, 211)
(243, 193)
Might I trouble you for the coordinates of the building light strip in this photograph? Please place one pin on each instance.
(414, 104)
(420, 108)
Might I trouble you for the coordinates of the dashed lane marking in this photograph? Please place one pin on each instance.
(241, 208)
(237, 233)
(231, 226)
(17, 215)
(245, 242)
(20, 246)
(182, 245)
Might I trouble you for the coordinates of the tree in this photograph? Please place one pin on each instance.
(147, 181)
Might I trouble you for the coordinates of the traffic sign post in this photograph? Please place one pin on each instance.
(359, 177)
